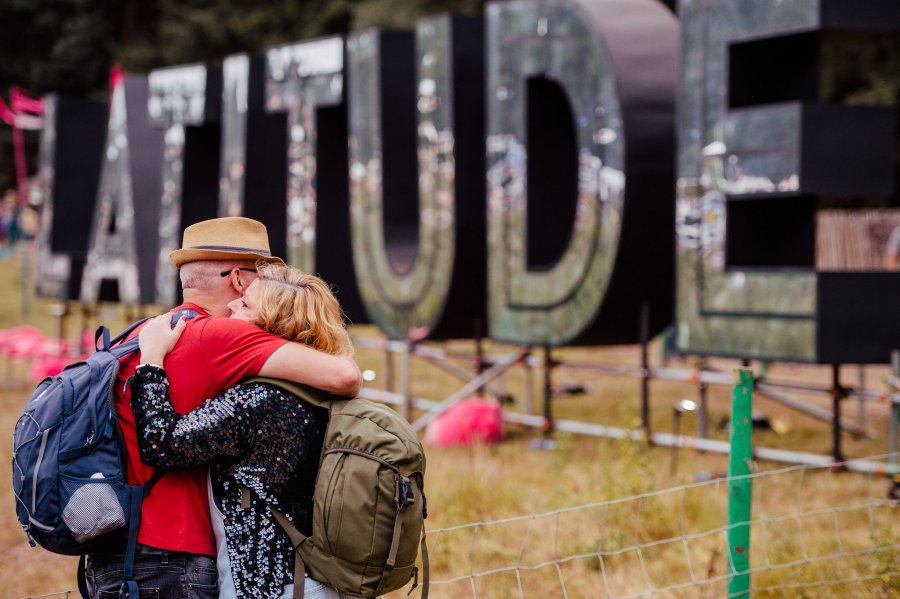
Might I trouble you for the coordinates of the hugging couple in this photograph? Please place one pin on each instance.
(181, 408)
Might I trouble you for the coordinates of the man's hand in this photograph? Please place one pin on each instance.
(158, 337)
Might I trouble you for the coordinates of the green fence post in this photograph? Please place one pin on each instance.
(894, 385)
(740, 489)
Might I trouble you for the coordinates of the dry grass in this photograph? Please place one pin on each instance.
(484, 484)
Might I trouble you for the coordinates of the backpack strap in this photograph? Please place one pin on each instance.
(311, 395)
(103, 331)
(425, 577)
(395, 543)
(129, 586)
(392, 554)
(297, 538)
(425, 566)
(82, 579)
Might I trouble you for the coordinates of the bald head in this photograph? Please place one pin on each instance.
(204, 285)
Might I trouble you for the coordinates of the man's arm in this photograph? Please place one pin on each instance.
(303, 364)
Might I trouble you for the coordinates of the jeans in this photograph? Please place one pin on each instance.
(160, 574)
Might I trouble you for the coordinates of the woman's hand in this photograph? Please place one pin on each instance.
(157, 338)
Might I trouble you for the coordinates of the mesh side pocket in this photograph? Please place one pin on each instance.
(92, 507)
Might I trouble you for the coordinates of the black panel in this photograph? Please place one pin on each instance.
(265, 184)
(858, 317)
(774, 70)
(73, 285)
(201, 174)
(848, 150)
(867, 15)
(400, 164)
(465, 312)
(145, 144)
(644, 272)
(202, 154)
(80, 137)
(553, 177)
(334, 253)
(109, 291)
(202, 148)
(770, 233)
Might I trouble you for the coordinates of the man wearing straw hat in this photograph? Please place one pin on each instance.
(175, 540)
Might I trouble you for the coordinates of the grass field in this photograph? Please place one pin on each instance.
(806, 516)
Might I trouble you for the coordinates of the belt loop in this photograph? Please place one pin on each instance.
(165, 558)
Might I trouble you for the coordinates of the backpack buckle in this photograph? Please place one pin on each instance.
(405, 496)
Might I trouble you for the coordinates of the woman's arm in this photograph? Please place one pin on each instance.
(303, 364)
(292, 361)
(221, 427)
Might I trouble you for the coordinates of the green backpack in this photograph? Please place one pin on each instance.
(369, 504)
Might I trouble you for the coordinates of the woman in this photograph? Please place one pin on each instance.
(255, 436)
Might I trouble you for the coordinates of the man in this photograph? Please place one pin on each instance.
(175, 540)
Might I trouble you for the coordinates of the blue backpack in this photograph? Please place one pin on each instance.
(68, 461)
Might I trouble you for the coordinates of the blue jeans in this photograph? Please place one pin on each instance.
(160, 574)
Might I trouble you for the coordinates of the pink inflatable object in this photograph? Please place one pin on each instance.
(471, 421)
(27, 344)
(49, 366)
(16, 342)
(88, 342)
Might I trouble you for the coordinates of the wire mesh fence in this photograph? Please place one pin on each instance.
(810, 529)
(814, 533)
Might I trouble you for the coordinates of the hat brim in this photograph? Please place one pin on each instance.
(179, 257)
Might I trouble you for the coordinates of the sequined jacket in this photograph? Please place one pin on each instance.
(253, 435)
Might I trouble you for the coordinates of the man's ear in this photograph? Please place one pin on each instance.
(240, 283)
(234, 279)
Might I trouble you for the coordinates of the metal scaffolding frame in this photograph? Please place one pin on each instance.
(490, 367)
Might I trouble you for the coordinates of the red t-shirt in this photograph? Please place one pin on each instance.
(212, 355)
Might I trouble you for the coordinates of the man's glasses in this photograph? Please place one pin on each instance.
(228, 272)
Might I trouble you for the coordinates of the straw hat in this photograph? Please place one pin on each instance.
(226, 238)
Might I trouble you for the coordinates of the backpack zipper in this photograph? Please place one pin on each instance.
(365, 455)
(34, 480)
(402, 493)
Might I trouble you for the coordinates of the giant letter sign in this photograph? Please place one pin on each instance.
(755, 149)
(305, 83)
(69, 169)
(122, 259)
(186, 102)
(409, 262)
(614, 61)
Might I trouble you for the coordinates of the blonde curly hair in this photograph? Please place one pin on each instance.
(300, 307)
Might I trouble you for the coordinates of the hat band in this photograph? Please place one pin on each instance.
(228, 248)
